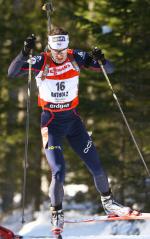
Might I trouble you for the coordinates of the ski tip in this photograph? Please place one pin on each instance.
(135, 213)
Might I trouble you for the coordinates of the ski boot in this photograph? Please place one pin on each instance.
(112, 208)
(57, 221)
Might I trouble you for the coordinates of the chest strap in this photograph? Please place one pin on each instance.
(73, 62)
(46, 66)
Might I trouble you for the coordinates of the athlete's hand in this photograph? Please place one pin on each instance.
(98, 55)
(29, 44)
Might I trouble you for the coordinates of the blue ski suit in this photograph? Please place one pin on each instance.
(58, 98)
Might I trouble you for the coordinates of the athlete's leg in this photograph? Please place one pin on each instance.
(57, 165)
(53, 150)
(83, 145)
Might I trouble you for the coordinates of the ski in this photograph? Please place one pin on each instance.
(6, 233)
(141, 216)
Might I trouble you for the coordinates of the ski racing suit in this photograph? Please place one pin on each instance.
(58, 97)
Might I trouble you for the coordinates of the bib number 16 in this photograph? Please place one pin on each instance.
(60, 86)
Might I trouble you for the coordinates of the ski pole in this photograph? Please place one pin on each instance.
(27, 135)
(48, 7)
(124, 117)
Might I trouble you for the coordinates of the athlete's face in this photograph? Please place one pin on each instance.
(59, 56)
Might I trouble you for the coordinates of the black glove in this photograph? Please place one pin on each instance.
(98, 55)
(29, 44)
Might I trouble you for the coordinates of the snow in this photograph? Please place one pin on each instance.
(40, 225)
(91, 230)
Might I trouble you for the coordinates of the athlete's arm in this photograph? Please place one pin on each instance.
(84, 60)
(20, 66)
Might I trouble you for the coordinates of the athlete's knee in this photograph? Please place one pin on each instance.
(58, 174)
(100, 174)
(97, 170)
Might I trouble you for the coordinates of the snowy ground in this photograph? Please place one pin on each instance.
(100, 230)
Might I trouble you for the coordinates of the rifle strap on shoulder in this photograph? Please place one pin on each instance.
(46, 65)
(73, 62)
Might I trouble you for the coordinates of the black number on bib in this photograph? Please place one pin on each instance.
(60, 86)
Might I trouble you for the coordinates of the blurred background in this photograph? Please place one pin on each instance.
(121, 29)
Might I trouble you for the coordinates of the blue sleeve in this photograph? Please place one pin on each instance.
(84, 60)
(20, 66)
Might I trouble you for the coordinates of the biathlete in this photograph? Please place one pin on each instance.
(57, 74)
